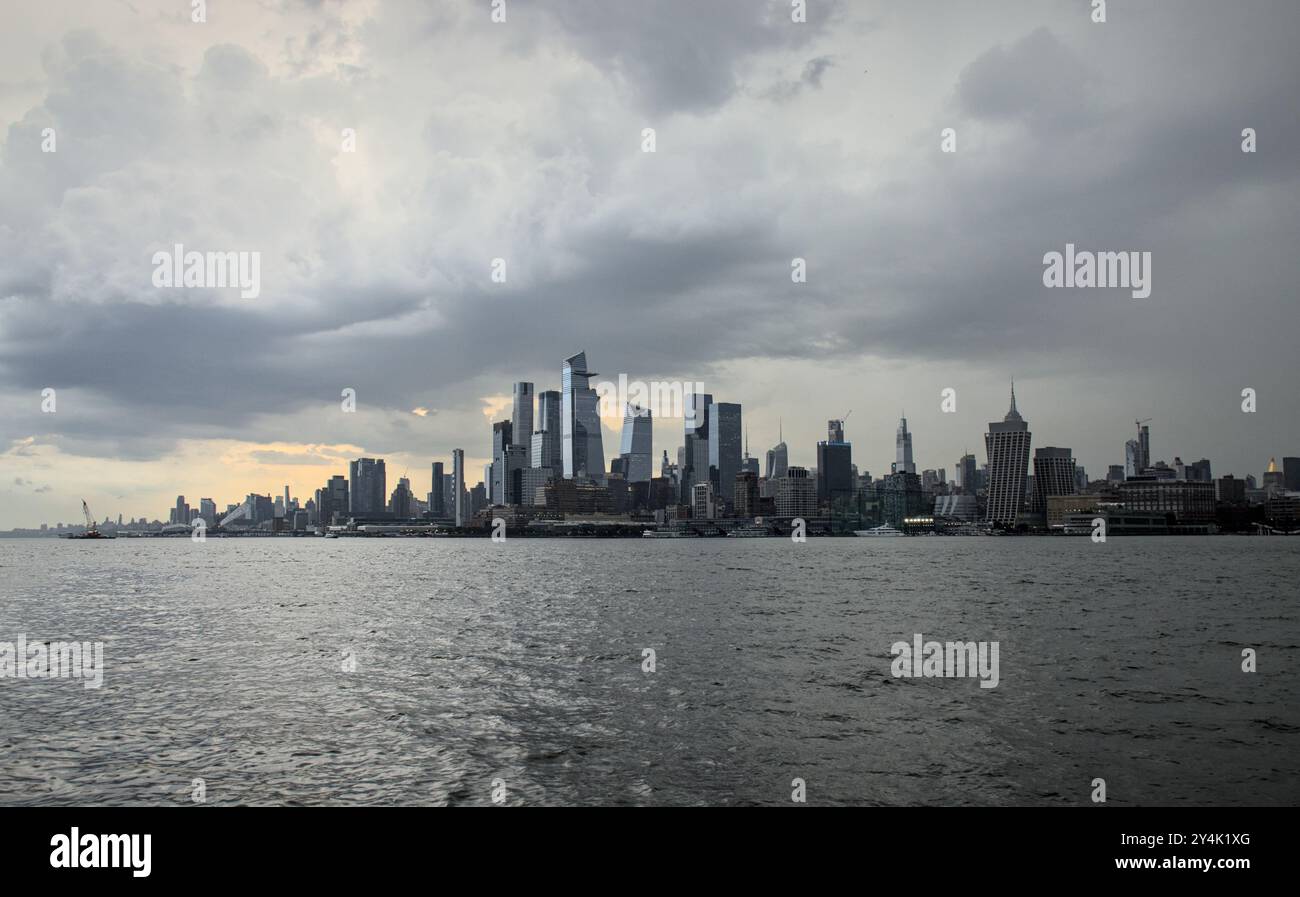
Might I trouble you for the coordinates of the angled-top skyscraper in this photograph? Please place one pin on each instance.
(637, 439)
(583, 449)
(778, 458)
(1007, 444)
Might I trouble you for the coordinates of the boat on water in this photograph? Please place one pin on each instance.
(749, 531)
(92, 531)
(665, 534)
(877, 531)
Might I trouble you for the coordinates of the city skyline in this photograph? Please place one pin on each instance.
(818, 143)
(527, 402)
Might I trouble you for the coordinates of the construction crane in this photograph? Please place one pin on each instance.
(92, 531)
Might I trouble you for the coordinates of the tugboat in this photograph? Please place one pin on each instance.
(92, 531)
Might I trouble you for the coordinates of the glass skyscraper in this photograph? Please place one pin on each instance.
(546, 447)
(725, 435)
(583, 449)
(695, 446)
(522, 421)
(636, 445)
(903, 462)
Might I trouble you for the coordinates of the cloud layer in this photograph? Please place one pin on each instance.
(523, 141)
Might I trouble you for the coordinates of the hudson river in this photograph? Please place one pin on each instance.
(524, 663)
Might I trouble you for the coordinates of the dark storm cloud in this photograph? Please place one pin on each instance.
(672, 264)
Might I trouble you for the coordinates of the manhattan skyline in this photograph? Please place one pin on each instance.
(772, 144)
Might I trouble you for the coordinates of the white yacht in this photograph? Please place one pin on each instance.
(883, 530)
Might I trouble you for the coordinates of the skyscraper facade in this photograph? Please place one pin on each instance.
(583, 449)
(522, 420)
(547, 448)
(746, 492)
(725, 435)
(903, 462)
(834, 468)
(967, 477)
(1132, 459)
(1290, 473)
(1054, 474)
(636, 445)
(458, 484)
(367, 486)
(502, 439)
(437, 508)
(796, 493)
(703, 504)
(778, 460)
(1007, 445)
(695, 458)
(513, 463)
(334, 499)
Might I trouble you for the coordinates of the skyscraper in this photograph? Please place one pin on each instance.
(583, 448)
(400, 501)
(1054, 474)
(778, 457)
(746, 491)
(967, 477)
(458, 484)
(547, 450)
(522, 420)
(436, 506)
(834, 466)
(502, 439)
(513, 463)
(1290, 473)
(333, 500)
(696, 442)
(1273, 478)
(724, 451)
(1007, 445)
(703, 504)
(1132, 459)
(367, 488)
(796, 494)
(903, 449)
(636, 445)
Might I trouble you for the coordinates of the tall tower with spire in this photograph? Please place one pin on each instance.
(778, 457)
(1007, 443)
(903, 462)
(748, 464)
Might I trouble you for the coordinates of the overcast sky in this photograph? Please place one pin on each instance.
(523, 141)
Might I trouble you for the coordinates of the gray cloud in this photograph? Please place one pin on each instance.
(522, 141)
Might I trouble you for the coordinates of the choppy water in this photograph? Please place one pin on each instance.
(523, 662)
